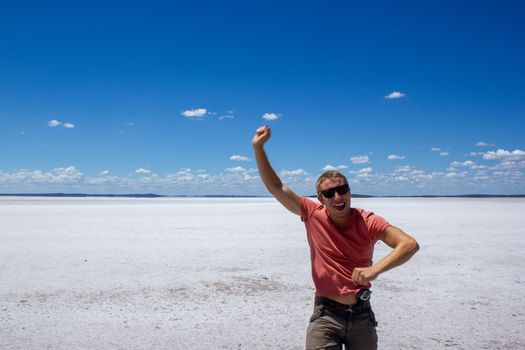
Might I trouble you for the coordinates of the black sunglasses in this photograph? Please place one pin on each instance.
(329, 193)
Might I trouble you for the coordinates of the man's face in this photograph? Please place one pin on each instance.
(337, 206)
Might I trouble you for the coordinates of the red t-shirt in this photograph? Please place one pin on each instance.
(335, 252)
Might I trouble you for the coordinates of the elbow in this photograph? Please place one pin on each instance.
(409, 246)
(413, 246)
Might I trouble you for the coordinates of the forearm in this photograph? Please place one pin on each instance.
(266, 172)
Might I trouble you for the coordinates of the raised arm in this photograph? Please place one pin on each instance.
(283, 194)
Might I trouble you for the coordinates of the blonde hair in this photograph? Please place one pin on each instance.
(328, 175)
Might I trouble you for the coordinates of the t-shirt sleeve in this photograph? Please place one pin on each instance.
(376, 225)
(307, 208)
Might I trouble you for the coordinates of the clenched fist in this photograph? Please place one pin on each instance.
(261, 136)
(363, 275)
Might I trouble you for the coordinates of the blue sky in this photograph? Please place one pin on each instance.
(164, 97)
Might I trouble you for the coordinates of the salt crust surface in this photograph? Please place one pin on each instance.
(87, 273)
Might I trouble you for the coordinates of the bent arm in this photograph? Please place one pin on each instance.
(289, 199)
(404, 247)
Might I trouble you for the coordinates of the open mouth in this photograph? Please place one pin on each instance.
(339, 206)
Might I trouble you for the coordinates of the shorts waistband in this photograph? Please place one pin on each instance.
(360, 306)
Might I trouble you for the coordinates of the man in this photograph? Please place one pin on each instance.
(341, 242)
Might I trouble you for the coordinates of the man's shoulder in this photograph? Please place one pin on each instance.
(312, 201)
(310, 206)
(365, 214)
(359, 211)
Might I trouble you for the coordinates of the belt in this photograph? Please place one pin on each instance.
(358, 307)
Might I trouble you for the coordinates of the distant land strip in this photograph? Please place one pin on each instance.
(153, 195)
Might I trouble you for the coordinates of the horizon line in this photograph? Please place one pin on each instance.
(153, 195)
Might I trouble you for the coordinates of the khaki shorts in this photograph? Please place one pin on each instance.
(333, 325)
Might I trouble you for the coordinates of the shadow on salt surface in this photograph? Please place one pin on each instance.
(131, 298)
(248, 286)
(232, 287)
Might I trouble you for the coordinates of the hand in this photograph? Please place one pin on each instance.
(261, 136)
(363, 275)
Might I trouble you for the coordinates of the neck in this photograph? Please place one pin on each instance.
(342, 221)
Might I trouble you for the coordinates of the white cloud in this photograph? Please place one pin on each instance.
(248, 177)
(142, 171)
(229, 115)
(419, 178)
(66, 175)
(238, 169)
(467, 163)
(182, 182)
(394, 95)
(240, 158)
(403, 169)
(270, 116)
(364, 174)
(195, 113)
(395, 157)
(444, 154)
(474, 154)
(499, 154)
(454, 174)
(435, 149)
(510, 164)
(484, 144)
(58, 176)
(476, 167)
(54, 123)
(360, 160)
(182, 176)
(233, 175)
(330, 167)
(507, 176)
(502, 154)
(293, 172)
